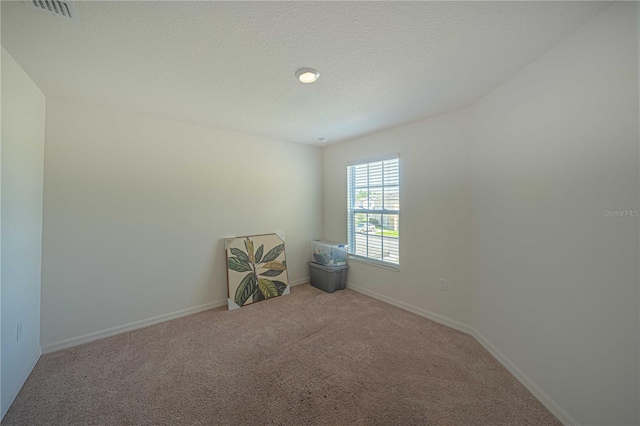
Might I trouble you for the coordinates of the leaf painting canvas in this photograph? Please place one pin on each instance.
(256, 269)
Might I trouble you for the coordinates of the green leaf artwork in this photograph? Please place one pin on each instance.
(273, 253)
(268, 288)
(271, 273)
(259, 253)
(250, 271)
(239, 265)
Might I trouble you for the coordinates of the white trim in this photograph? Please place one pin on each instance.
(414, 309)
(13, 393)
(96, 335)
(375, 262)
(298, 282)
(541, 395)
(373, 159)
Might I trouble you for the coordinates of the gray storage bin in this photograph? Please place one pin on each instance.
(328, 279)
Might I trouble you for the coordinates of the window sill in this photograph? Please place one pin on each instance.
(374, 262)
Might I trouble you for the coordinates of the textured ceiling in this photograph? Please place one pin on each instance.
(231, 65)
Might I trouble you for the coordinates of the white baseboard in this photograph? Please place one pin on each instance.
(298, 282)
(541, 395)
(96, 335)
(8, 400)
(414, 309)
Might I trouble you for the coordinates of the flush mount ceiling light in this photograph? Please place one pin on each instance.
(307, 75)
(323, 140)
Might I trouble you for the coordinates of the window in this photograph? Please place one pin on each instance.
(373, 222)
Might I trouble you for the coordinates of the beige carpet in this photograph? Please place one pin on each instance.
(307, 358)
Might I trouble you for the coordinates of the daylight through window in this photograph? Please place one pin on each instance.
(373, 222)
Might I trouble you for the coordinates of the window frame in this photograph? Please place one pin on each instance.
(352, 211)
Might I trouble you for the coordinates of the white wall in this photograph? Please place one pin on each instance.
(1, 396)
(435, 220)
(555, 279)
(135, 209)
(23, 124)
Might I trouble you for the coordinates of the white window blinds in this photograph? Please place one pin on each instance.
(373, 221)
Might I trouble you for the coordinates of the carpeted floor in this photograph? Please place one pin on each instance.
(307, 358)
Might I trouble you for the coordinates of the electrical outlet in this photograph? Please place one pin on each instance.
(19, 330)
(443, 285)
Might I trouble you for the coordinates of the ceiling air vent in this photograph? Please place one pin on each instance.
(64, 9)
